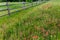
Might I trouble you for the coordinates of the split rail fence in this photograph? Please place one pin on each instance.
(7, 8)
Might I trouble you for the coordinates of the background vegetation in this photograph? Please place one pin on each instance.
(19, 0)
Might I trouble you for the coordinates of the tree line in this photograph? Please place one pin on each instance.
(19, 0)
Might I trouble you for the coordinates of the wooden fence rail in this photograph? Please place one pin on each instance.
(16, 6)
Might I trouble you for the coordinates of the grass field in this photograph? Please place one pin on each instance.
(37, 23)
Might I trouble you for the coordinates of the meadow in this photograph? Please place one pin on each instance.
(36, 23)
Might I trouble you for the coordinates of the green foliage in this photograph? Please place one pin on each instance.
(19, 0)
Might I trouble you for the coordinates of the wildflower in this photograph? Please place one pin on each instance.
(25, 39)
(47, 33)
(42, 29)
(35, 37)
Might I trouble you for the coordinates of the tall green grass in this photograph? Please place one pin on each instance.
(39, 23)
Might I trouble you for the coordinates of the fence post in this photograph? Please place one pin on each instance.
(8, 7)
(24, 5)
(32, 3)
(39, 1)
(36, 2)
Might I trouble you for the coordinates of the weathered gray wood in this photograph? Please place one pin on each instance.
(24, 5)
(7, 7)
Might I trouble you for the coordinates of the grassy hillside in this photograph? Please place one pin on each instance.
(37, 23)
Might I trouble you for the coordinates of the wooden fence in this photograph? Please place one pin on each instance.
(7, 8)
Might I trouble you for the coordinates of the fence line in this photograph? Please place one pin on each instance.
(24, 6)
